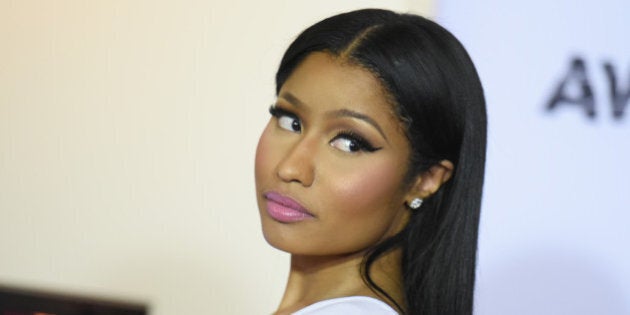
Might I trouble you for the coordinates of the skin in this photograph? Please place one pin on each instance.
(356, 199)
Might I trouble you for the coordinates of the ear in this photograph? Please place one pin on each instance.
(427, 183)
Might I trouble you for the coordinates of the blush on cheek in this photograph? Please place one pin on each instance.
(371, 188)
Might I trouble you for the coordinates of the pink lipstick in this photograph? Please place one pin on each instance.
(284, 209)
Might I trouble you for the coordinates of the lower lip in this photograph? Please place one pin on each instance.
(285, 214)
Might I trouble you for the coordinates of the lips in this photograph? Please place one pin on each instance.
(284, 209)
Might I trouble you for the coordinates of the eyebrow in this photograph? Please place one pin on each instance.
(340, 113)
(292, 99)
(344, 112)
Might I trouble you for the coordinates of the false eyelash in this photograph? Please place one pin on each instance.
(364, 145)
(278, 112)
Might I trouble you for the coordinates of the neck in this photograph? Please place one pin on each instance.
(317, 278)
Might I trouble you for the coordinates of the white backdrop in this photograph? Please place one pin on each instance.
(555, 223)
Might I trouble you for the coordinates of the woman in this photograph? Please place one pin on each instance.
(370, 170)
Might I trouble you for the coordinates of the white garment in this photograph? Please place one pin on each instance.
(351, 305)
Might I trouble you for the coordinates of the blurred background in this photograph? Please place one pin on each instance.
(128, 131)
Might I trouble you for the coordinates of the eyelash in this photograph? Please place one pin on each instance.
(363, 144)
(277, 112)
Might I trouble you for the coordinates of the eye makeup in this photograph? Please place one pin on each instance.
(355, 142)
(278, 112)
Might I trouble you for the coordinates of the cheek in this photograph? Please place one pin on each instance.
(263, 156)
(374, 186)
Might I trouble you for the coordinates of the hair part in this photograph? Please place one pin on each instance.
(439, 100)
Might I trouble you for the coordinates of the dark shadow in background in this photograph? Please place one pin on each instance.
(16, 301)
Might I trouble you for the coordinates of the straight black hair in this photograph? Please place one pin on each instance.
(439, 99)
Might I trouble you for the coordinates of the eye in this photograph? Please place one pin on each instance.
(289, 123)
(351, 143)
(286, 120)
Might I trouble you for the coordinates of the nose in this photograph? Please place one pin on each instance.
(298, 164)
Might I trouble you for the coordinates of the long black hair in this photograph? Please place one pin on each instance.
(439, 99)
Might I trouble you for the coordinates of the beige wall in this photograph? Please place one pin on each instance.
(127, 137)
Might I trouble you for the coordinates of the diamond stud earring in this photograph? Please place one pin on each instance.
(415, 203)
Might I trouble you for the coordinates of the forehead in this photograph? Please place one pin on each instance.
(325, 82)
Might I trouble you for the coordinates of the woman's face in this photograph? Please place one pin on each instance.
(331, 162)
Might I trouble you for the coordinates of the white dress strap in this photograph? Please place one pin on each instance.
(351, 305)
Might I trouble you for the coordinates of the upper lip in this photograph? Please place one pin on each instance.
(285, 201)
